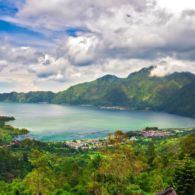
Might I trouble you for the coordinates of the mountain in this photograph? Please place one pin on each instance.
(174, 93)
(30, 97)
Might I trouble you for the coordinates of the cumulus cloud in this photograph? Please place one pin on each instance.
(116, 37)
(82, 50)
(170, 65)
(62, 13)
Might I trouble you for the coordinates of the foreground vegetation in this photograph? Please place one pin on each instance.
(128, 167)
(7, 132)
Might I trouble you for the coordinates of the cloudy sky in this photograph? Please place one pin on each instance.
(53, 44)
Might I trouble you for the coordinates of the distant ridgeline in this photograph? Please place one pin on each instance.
(174, 93)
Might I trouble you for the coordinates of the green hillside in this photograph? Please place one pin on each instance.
(173, 93)
(139, 91)
(30, 97)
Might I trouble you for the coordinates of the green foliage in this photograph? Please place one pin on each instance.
(184, 178)
(7, 132)
(188, 145)
(30, 97)
(6, 118)
(12, 164)
(151, 153)
(144, 167)
(173, 93)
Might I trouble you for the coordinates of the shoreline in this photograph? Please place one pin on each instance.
(146, 134)
(150, 133)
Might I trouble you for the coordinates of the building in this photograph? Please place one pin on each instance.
(168, 191)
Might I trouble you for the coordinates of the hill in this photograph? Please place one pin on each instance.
(174, 93)
(30, 97)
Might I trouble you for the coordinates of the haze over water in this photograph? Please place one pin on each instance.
(50, 122)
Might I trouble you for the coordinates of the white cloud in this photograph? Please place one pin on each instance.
(177, 6)
(170, 65)
(119, 37)
(82, 50)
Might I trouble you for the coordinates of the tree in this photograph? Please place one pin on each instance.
(151, 153)
(96, 163)
(120, 136)
(40, 179)
(188, 145)
(184, 178)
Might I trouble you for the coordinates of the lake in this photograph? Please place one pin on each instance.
(49, 122)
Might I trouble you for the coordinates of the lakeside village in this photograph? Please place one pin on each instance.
(120, 137)
(89, 144)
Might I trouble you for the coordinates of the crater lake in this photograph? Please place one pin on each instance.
(49, 122)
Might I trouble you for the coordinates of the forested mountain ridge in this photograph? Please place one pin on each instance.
(173, 93)
(30, 97)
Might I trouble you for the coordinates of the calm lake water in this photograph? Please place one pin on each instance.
(50, 122)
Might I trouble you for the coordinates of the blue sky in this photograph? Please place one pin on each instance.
(14, 32)
(11, 28)
(51, 45)
(8, 8)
